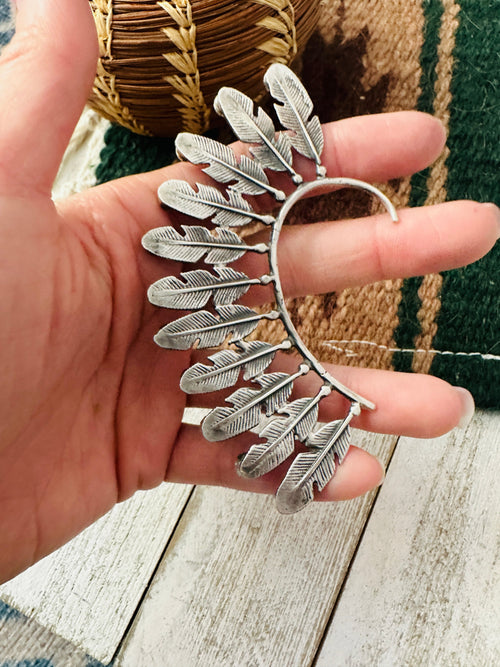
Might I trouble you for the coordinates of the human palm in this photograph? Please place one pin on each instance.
(90, 408)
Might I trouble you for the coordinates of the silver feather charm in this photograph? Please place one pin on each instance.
(223, 423)
(332, 434)
(274, 150)
(222, 247)
(316, 468)
(295, 113)
(265, 407)
(207, 201)
(196, 288)
(281, 433)
(254, 357)
(208, 330)
(245, 176)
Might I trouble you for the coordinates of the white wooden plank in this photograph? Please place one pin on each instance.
(242, 585)
(424, 588)
(88, 591)
(25, 643)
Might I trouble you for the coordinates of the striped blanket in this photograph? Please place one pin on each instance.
(366, 56)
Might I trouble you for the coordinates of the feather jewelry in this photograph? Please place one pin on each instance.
(265, 407)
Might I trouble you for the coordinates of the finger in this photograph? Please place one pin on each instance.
(320, 258)
(419, 406)
(379, 147)
(196, 461)
(359, 473)
(371, 148)
(326, 257)
(45, 73)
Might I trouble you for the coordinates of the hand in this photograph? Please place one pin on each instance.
(90, 407)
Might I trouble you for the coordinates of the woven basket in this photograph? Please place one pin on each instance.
(162, 63)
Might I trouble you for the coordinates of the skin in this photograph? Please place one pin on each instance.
(90, 408)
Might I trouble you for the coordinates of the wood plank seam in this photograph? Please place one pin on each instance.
(152, 577)
(353, 557)
(202, 593)
(423, 589)
(88, 590)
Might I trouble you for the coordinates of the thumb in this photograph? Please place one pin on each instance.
(45, 76)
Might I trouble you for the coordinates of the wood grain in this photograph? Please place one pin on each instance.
(424, 588)
(242, 585)
(25, 643)
(88, 591)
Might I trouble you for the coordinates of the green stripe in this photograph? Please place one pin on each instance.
(409, 325)
(433, 14)
(469, 319)
(126, 153)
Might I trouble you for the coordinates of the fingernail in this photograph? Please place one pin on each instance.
(382, 473)
(468, 407)
(493, 208)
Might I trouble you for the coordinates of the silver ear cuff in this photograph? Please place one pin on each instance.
(264, 407)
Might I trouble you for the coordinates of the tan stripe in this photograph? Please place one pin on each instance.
(394, 31)
(329, 18)
(429, 291)
(105, 96)
(394, 36)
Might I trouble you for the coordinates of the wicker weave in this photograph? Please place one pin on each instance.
(162, 63)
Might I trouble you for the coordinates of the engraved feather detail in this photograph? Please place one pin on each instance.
(295, 111)
(254, 357)
(274, 150)
(246, 413)
(266, 406)
(196, 288)
(208, 330)
(281, 433)
(317, 467)
(207, 201)
(329, 435)
(245, 176)
(222, 247)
